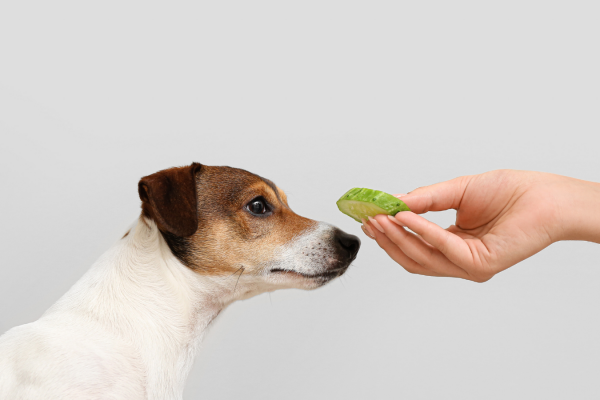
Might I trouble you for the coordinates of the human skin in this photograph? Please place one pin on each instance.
(503, 217)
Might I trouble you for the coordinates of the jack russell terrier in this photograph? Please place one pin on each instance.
(130, 327)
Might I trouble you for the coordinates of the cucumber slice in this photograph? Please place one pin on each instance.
(361, 203)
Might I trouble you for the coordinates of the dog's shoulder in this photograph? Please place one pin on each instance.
(41, 360)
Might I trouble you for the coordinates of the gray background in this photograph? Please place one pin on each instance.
(319, 96)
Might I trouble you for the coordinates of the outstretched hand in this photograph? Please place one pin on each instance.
(503, 217)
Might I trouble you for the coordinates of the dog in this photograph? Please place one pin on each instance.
(130, 327)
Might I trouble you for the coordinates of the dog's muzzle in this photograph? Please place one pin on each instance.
(346, 248)
(321, 256)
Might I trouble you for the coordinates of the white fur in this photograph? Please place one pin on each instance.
(130, 327)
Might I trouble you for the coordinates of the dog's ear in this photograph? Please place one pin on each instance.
(169, 198)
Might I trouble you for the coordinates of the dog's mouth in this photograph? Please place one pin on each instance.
(325, 275)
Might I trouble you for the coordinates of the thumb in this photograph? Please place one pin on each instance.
(437, 197)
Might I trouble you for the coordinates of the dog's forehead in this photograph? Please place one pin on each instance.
(229, 184)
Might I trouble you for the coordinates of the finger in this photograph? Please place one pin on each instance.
(365, 230)
(438, 197)
(452, 246)
(418, 250)
(398, 255)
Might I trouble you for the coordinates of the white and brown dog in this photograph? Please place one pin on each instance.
(130, 327)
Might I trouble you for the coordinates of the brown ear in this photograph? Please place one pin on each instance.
(169, 198)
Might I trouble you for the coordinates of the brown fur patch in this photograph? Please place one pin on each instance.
(169, 198)
(282, 195)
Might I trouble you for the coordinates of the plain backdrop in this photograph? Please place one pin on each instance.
(319, 96)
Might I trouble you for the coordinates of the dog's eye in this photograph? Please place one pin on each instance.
(257, 206)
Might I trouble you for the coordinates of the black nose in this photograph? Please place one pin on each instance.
(349, 243)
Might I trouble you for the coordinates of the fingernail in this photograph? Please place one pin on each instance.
(368, 228)
(400, 195)
(376, 224)
(394, 220)
(364, 228)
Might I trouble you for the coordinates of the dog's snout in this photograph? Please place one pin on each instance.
(349, 243)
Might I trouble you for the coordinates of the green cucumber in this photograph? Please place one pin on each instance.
(361, 203)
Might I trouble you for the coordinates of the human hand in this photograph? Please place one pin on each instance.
(503, 217)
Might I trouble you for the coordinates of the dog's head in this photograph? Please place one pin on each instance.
(223, 221)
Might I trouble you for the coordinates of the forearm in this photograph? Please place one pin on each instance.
(581, 217)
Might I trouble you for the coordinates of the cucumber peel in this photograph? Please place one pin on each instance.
(361, 203)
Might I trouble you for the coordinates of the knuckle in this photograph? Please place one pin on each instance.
(444, 241)
(427, 263)
(431, 254)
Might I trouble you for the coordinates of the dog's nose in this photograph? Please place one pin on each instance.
(349, 243)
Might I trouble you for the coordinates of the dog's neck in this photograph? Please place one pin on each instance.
(142, 294)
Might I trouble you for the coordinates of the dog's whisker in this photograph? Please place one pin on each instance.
(238, 279)
(236, 271)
